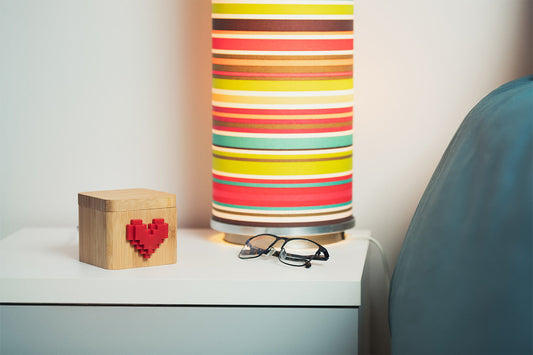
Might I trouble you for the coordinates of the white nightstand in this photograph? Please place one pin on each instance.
(210, 302)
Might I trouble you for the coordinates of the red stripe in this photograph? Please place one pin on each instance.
(280, 75)
(283, 121)
(270, 181)
(248, 111)
(282, 44)
(283, 130)
(282, 197)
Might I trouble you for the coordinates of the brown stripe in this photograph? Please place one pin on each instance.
(282, 160)
(280, 69)
(281, 214)
(265, 224)
(285, 78)
(282, 25)
(283, 57)
(283, 150)
(281, 126)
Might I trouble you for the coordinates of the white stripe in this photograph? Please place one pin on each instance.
(283, 177)
(280, 219)
(288, 211)
(286, 53)
(283, 93)
(284, 2)
(283, 107)
(282, 17)
(283, 36)
(283, 135)
(282, 152)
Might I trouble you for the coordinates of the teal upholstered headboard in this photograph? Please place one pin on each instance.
(463, 280)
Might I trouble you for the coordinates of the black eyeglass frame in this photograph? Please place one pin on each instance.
(267, 251)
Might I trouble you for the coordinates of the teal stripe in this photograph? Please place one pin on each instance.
(282, 143)
(255, 208)
(250, 184)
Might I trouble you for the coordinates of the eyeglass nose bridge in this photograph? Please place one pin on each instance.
(270, 251)
(279, 243)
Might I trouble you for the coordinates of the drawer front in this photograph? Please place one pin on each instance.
(47, 329)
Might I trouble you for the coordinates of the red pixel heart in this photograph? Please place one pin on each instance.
(146, 240)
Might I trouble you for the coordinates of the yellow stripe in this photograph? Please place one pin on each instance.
(281, 85)
(282, 168)
(283, 9)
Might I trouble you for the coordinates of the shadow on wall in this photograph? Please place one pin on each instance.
(194, 148)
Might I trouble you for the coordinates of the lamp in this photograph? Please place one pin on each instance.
(282, 118)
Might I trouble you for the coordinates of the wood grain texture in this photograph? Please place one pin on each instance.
(103, 216)
(92, 236)
(127, 199)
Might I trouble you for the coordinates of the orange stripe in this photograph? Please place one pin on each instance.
(281, 100)
(226, 61)
(266, 117)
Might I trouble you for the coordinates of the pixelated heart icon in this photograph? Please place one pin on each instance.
(146, 240)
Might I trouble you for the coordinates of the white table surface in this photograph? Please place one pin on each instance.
(40, 265)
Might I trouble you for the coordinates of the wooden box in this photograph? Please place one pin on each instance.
(121, 229)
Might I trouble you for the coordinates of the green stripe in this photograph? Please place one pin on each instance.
(316, 184)
(281, 208)
(282, 9)
(282, 143)
(282, 85)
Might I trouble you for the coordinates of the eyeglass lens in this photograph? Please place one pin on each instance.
(295, 252)
(298, 252)
(257, 246)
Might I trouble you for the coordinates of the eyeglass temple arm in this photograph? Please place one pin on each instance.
(296, 257)
(293, 257)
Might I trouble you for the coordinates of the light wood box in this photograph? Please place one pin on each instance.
(103, 216)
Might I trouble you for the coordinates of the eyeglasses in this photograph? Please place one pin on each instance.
(293, 251)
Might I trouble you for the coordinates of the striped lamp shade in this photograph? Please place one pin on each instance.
(282, 116)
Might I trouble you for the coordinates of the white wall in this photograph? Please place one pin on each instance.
(106, 94)
(103, 94)
(420, 67)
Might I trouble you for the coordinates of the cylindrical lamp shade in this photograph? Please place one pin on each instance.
(282, 116)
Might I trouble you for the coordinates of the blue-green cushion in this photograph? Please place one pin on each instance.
(463, 280)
